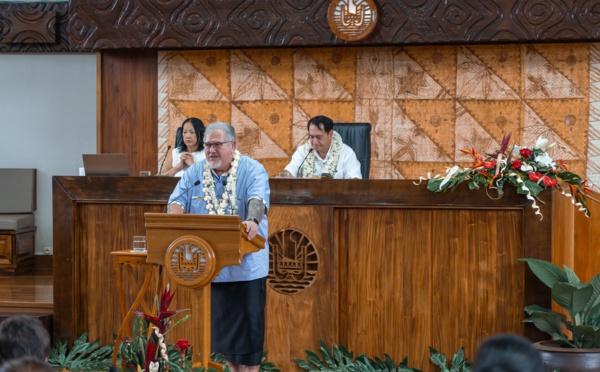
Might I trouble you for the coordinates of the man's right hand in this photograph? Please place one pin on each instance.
(175, 209)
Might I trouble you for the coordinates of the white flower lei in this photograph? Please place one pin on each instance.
(229, 196)
(329, 166)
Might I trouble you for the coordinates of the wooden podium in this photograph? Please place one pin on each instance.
(193, 249)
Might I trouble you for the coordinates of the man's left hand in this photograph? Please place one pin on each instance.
(251, 229)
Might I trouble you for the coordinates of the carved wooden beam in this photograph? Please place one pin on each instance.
(89, 25)
(33, 28)
(301, 23)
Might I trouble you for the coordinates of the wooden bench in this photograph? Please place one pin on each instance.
(17, 222)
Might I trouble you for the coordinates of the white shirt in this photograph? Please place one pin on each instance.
(198, 156)
(348, 165)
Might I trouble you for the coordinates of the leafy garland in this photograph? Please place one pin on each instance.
(330, 166)
(229, 196)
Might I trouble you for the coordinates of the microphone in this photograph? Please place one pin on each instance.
(163, 161)
(180, 195)
(299, 172)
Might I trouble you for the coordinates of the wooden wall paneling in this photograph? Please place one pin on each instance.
(385, 283)
(586, 255)
(93, 216)
(129, 107)
(477, 283)
(114, 227)
(297, 322)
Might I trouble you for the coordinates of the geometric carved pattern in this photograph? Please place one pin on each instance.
(30, 27)
(190, 261)
(34, 28)
(249, 23)
(293, 262)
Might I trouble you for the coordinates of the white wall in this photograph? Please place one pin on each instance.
(47, 120)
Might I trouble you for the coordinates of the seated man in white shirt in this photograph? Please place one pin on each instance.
(324, 155)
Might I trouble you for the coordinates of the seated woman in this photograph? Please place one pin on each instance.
(189, 151)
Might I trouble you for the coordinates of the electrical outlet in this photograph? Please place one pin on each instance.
(47, 250)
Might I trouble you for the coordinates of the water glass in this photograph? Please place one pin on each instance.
(139, 243)
(145, 173)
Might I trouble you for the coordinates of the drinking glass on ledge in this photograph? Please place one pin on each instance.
(139, 243)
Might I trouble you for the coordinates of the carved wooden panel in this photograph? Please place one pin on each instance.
(232, 23)
(34, 28)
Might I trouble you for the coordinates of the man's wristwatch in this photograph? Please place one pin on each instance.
(253, 220)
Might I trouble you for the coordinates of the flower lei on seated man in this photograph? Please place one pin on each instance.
(530, 170)
(330, 165)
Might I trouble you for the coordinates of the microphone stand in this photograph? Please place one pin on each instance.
(299, 173)
(163, 161)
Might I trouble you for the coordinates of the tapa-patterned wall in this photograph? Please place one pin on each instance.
(425, 102)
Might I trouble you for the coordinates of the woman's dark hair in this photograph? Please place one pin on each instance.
(322, 122)
(198, 128)
(508, 353)
(23, 336)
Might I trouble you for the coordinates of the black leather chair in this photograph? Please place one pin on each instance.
(358, 137)
(178, 138)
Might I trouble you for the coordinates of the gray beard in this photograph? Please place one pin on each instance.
(215, 165)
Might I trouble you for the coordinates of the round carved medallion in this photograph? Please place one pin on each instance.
(190, 261)
(293, 262)
(352, 20)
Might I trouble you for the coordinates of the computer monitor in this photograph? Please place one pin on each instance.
(106, 164)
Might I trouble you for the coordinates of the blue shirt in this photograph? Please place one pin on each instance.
(252, 182)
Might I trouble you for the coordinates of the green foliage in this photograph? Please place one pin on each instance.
(83, 356)
(580, 300)
(459, 362)
(339, 358)
(264, 365)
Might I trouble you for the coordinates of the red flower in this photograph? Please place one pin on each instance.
(525, 152)
(516, 164)
(549, 181)
(182, 345)
(489, 164)
(535, 176)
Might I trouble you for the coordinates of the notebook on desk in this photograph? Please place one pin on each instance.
(106, 164)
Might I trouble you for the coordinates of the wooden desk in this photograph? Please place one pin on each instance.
(395, 267)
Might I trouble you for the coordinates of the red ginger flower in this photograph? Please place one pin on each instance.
(182, 345)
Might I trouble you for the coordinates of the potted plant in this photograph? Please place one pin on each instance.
(581, 301)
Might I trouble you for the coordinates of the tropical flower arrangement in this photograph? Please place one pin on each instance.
(530, 169)
(148, 350)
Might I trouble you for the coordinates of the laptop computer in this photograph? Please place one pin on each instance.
(106, 164)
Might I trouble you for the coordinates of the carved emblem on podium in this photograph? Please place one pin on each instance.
(293, 262)
(352, 20)
(190, 261)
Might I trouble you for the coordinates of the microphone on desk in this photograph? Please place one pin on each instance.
(180, 195)
(299, 172)
(163, 161)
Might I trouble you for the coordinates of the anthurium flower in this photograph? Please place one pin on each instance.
(549, 181)
(535, 176)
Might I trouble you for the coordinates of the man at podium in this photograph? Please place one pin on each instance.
(227, 182)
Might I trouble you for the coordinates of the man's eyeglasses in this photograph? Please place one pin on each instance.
(215, 145)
